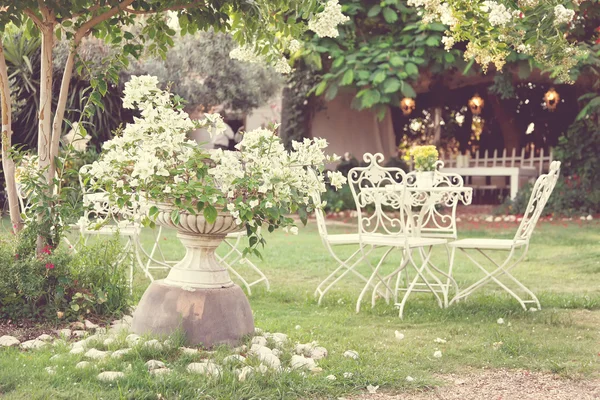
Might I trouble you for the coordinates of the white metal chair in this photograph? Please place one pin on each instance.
(516, 247)
(376, 189)
(330, 241)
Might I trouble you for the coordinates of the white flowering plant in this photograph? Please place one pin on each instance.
(152, 161)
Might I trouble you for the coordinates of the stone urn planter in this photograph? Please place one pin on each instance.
(197, 297)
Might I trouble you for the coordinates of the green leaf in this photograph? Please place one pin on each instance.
(396, 61)
(75, 307)
(370, 98)
(374, 11)
(102, 87)
(348, 77)
(408, 90)
(391, 85)
(411, 69)
(449, 57)
(379, 77)
(210, 214)
(468, 67)
(432, 41)
(321, 88)
(390, 15)
(338, 62)
(331, 92)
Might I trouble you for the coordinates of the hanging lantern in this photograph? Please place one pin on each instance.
(407, 105)
(551, 98)
(476, 104)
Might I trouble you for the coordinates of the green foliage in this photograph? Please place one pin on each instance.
(381, 53)
(56, 284)
(577, 191)
(203, 73)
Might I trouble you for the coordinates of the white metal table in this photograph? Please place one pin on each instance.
(513, 172)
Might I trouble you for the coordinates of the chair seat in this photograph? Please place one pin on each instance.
(488, 244)
(348, 238)
(400, 241)
(235, 235)
(112, 229)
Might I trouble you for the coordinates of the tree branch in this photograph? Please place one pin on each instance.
(173, 8)
(86, 27)
(36, 20)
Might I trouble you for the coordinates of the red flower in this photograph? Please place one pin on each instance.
(47, 249)
(49, 266)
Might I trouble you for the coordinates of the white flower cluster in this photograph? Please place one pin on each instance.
(448, 42)
(562, 15)
(294, 46)
(499, 14)
(246, 54)
(264, 173)
(528, 3)
(155, 143)
(325, 24)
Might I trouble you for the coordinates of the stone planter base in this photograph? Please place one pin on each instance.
(208, 317)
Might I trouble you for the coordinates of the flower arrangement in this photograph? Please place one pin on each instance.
(152, 161)
(425, 157)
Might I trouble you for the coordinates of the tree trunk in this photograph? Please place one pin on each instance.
(507, 123)
(437, 126)
(8, 164)
(59, 115)
(45, 115)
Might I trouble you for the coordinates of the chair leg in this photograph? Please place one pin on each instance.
(419, 275)
(372, 277)
(238, 256)
(501, 269)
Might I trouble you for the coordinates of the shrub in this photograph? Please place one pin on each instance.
(56, 284)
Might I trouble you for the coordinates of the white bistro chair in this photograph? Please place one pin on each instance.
(344, 267)
(380, 196)
(516, 247)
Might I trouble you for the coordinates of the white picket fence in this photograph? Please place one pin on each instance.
(524, 160)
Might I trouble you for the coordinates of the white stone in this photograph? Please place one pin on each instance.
(318, 353)
(589, 217)
(59, 342)
(77, 350)
(9, 341)
(259, 340)
(316, 370)
(51, 370)
(277, 352)
(55, 357)
(153, 344)
(66, 333)
(271, 361)
(90, 325)
(351, 354)
(160, 371)
(45, 337)
(437, 354)
(259, 350)
(500, 321)
(168, 343)
(133, 339)
(280, 339)
(331, 377)
(409, 379)
(127, 319)
(235, 358)
(109, 341)
(489, 218)
(109, 376)
(79, 333)
(78, 325)
(83, 364)
(205, 368)
(154, 364)
(439, 340)
(244, 373)
(399, 335)
(120, 353)
(512, 218)
(258, 331)
(262, 368)
(348, 375)
(372, 389)
(306, 348)
(33, 344)
(301, 362)
(96, 354)
(188, 351)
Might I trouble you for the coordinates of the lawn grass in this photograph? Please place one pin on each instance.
(562, 268)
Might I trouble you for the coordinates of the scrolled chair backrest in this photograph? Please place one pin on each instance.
(435, 209)
(377, 189)
(542, 189)
(316, 198)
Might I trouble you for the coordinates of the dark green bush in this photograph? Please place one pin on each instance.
(56, 284)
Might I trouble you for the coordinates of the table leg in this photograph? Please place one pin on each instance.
(514, 185)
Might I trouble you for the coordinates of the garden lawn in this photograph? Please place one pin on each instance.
(562, 268)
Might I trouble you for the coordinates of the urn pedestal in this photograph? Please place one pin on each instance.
(197, 297)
